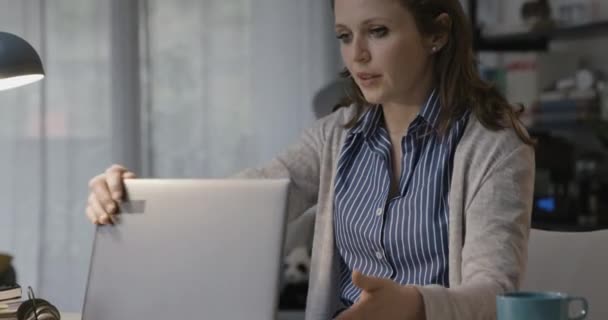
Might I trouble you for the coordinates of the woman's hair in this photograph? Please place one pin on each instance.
(460, 86)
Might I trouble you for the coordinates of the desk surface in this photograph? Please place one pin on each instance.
(283, 315)
(64, 316)
(70, 316)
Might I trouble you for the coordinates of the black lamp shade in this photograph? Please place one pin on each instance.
(19, 62)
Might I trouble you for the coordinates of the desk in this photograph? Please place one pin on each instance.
(70, 316)
(283, 315)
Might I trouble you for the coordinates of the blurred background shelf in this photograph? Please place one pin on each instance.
(291, 315)
(535, 40)
(530, 41)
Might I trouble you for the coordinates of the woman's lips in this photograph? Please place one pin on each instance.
(368, 79)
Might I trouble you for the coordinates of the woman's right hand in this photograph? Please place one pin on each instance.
(106, 191)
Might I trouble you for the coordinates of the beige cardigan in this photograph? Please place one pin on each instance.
(490, 202)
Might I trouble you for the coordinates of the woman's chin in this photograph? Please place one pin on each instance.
(372, 98)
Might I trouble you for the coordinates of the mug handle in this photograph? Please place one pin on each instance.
(585, 310)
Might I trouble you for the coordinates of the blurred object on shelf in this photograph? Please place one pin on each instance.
(569, 100)
(498, 17)
(578, 12)
(571, 185)
(522, 76)
(552, 185)
(536, 15)
(8, 275)
(559, 109)
(531, 23)
(489, 14)
(587, 167)
(603, 92)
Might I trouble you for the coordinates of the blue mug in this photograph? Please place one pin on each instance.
(538, 306)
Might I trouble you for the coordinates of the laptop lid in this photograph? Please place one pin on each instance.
(190, 249)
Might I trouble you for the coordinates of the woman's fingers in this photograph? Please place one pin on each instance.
(107, 190)
(97, 211)
(114, 177)
(91, 215)
(128, 175)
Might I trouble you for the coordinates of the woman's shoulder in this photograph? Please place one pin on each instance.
(477, 132)
(341, 114)
(480, 145)
(335, 122)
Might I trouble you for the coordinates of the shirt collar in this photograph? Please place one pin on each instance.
(370, 120)
(431, 109)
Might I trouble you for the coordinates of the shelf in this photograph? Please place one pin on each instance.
(530, 41)
(538, 40)
(513, 42)
(563, 227)
(290, 315)
(580, 30)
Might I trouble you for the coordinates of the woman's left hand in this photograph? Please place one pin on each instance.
(384, 299)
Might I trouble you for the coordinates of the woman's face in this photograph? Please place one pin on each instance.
(382, 48)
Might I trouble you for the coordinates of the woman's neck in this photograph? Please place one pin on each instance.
(399, 114)
(397, 117)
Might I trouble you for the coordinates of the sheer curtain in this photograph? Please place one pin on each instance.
(188, 88)
(54, 136)
(230, 83)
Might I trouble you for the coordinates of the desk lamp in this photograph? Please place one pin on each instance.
(21, 65)
(19, 62)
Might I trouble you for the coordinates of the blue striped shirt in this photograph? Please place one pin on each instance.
(404, 238)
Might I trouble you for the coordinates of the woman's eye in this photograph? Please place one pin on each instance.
(344, 37)
(378, 32)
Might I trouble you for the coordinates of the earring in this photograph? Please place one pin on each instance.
(434, 49)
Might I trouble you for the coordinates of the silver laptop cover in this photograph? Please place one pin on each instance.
(190, 249)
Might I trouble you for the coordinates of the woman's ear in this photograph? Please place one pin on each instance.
(439, 39)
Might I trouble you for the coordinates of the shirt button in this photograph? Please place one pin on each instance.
(379, 255)
(379, 211)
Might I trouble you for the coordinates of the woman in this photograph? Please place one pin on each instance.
(424, 183)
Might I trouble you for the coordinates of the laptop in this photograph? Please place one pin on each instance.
(190, 249)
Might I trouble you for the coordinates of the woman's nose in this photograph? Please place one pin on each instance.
(361, 53)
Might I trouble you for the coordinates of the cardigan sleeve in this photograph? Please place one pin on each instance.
(494, 253)
(300, 163)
